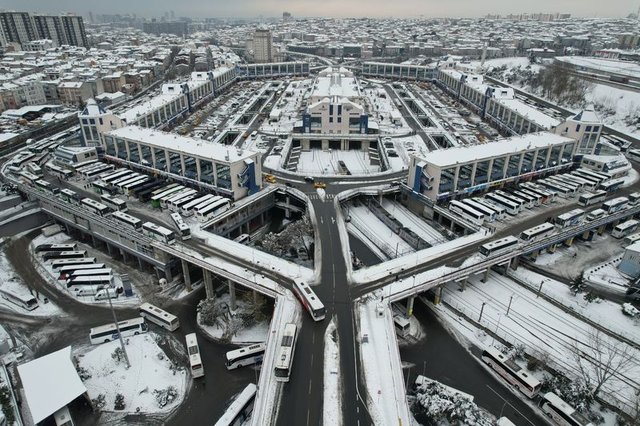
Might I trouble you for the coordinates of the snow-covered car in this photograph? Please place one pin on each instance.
(629, 309)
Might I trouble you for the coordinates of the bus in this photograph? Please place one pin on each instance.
(634, 198)
(592, 198)
(562, 190)
(164, 189)
(95, 280)
(248, 355)
(499, 246)
(109, 332)
(467, 212)
(164, 202)
(101, 187)
(539, 199)
(69, 195)
(156, 199)
(33, 168)
(47, 187)
(538, 232)
(633, 154)
(123, 178)
(501, 212)
(70, 254)
(533, 200)
(183, 229)
(115, 204)
(625, 228)
(59, 263)
(595, 214)
(127, 219)
(594, 180)
(94, 206)
(57, 171)
(611, 185)
(631, 239)
(309, 300)
(586, 183)
(213, 209)
(203, 205)
(90, 272)
(511, 208)
(489, 214)
(615, 205)
(187, 209)
(547, 196)
(598, 175)
(130, 188)
(162, 318)
(171, 203)
(65, 271)
(95, 170)
(56, 247)
(27, 302)
(116, 175)
(511, 198)
(511, 372)
(575, 186)
(561, 412)
(158, 232)
(197, 370)
(240, 409)
(572, 189)
(573, 218)
(402, 325)
(285, 352)
(135, 178)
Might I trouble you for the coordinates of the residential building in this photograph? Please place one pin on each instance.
(17, 27)
(178, 28)
(262, 46)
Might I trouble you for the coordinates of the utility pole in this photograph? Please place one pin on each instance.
(509, 307)
(481, 311)
(115, 320)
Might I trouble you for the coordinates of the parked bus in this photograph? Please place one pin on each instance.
(187, 209)
(47, 187)
(27, 302)
(631, 239)
(533, 201)
(165, 201)
(595, 181)
(595, 214)
(69, 195)
(511, 372)
(156, 199)
(115, 204)
(171, 203)
(611, 185)
(164, 189)
(90, 272)
(615, 205)
(130, 188)
(127, 219)
(501, 212)
(547, 196)
(489, 214)
(95, 280)
(586, 183)
(561, 180)
(625, 228)
(511, 198)
(135, 178)
(59, 263)
(128, 176)
(285, 352)
(248, 355)
(562, 190)
(309, 300)
(94, 206)
(176, 205)
(213, 209)
(538, 232)
(101, 187)
(467, 212)
(561, 412)
(156, 315)
(95, 170)
(510, 207)
(33, 168)
(57, 171)
(203, 205)
(197, 370)
(70, 254)
(402, 325)
(183, 229)
(56, 247)
(108, 332)
(157, 232)
(499, 246)
(573, 218)
(539, 199)
(633, 154)
(240, 409)
(592, 198)
(116, 175)
(634, 198)
(599, 175)
(65, 271)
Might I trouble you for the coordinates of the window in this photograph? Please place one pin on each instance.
(596, 128)
(578, 128)
(588, 129)
(339, 119)
(330, 119)
(100, 119)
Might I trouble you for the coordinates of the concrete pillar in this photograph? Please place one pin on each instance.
(486, 275)
(124, 256)
(140, 264)
(410, 305)
(186, 276)
(463, 284)
(93, 241)
(569, 242)
(515, 262)
(438, 297)
(208, 284)
(232, 294)
(167, 274)
(552, 248)
(601, 229)
(109, 249)
(255, 297)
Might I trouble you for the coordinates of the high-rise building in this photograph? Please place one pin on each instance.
(262, 46)
(74, 30)
(286, 16)
(50, 27)
(20, 27)
(178, 28)
(17, 27)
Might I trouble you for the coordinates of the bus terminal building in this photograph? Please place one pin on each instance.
(454, 172)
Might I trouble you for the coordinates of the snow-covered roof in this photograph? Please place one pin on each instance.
(153, 104)
(587, 115)
(50, 382)
(466, 154)
(529, 112)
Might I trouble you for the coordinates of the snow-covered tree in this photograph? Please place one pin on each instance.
(210, 312)
(434, 403)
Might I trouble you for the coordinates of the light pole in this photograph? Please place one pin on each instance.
(497, 327)
(481, 311)
(115, 320)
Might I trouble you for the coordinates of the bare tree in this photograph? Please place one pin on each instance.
(601, 358)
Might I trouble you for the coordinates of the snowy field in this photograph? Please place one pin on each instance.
(150, 371)
(616, 106)
(319, 162)
(546, 331)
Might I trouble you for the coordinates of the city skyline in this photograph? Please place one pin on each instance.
(330, 8)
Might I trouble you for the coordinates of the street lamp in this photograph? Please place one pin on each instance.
(115, 320)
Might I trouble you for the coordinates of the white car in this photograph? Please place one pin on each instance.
(629, 309)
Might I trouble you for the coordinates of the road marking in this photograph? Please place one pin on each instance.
(310, 387)
(307, 417)
(321, 219)
(357, 408)
(312, 360)
(333, 220)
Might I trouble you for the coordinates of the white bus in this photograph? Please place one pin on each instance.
(248, 355)
(562, 190)
(467, 212)
(29, 177)
(499, 246)
(625, 228)
(595, 214)
(115, 204)
(611, 185)
(402, 325)
(634, 198)
(501, 212)
(547, 196)
(159, 233)
(213, 209)
(586, 183)
(26, 302)
(516, 200)
(489, 214)
(166, 201)
(94, 206)
(177, 204)
(111, 176)
(187, 209)
(511, 372)
(183, 229)
(573, 218)
(127, 219)
(562, 413)
(93, 280)
(511, 207)
(539, 199)
(34, 169)
(46, 186)
(197, 370)
(595, 181)
(615, 205)
(59, 263)
(65, 271)
(633, 154)
(162, 318)
(592, 198)
(285, 352)
(309, 300)
(631, 239)
(240, 409)
(107, 333)
(157, 199)
(538, 232)
(529, 199)
(172, 202)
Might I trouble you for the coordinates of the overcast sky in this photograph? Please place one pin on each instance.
(330, 8)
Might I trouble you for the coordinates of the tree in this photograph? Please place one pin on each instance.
(298, 231)
(210, 312)
(271, 243)
(602, 358)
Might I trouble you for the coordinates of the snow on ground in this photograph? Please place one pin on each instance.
(246, 335)
(319, 162)
(615, 105)
(416, 224)
(381, 365)
(332, 386)
(604, 312)
(375, 230)
(607, 276)
(546, 331)
(511, 62)
(150, 370)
